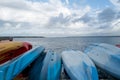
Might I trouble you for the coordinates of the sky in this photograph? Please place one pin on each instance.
(59, 18)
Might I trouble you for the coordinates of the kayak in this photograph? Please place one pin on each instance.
(12, 68)
(36, 68)
(105, 56)
(51, 68)
(79, 66)
(7, 46)
(10, 50)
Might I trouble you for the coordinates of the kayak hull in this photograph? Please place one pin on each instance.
(36, 68)
(78, 66)
(105, 56)
(51, 68)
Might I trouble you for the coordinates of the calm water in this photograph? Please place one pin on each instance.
(75, 43)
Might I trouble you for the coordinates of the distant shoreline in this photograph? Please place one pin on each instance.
(11, 37)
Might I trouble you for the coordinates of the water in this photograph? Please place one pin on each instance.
(76, 43)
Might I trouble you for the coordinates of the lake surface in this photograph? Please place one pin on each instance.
(60, 44)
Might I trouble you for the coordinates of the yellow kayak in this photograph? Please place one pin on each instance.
(8, 46)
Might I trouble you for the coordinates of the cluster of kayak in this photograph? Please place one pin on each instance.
(19, 59)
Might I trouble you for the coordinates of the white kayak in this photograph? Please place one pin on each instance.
(79, 66)
(105, 56)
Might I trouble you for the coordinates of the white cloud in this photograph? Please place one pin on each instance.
(116, 2)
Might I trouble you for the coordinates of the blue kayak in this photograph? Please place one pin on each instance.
(105, 56)
(79, 66)
(51, 68)
(36, 68)
(12, 68)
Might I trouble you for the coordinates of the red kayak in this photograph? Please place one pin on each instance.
(10, 50)
(26, 46)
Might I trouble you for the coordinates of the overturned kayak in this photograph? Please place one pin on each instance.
(105, 56)
(10, 50)
(36, 68)
(51, 68)
(12, 68)
(78, 66)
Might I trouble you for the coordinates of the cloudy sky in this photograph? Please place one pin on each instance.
(59, 17)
